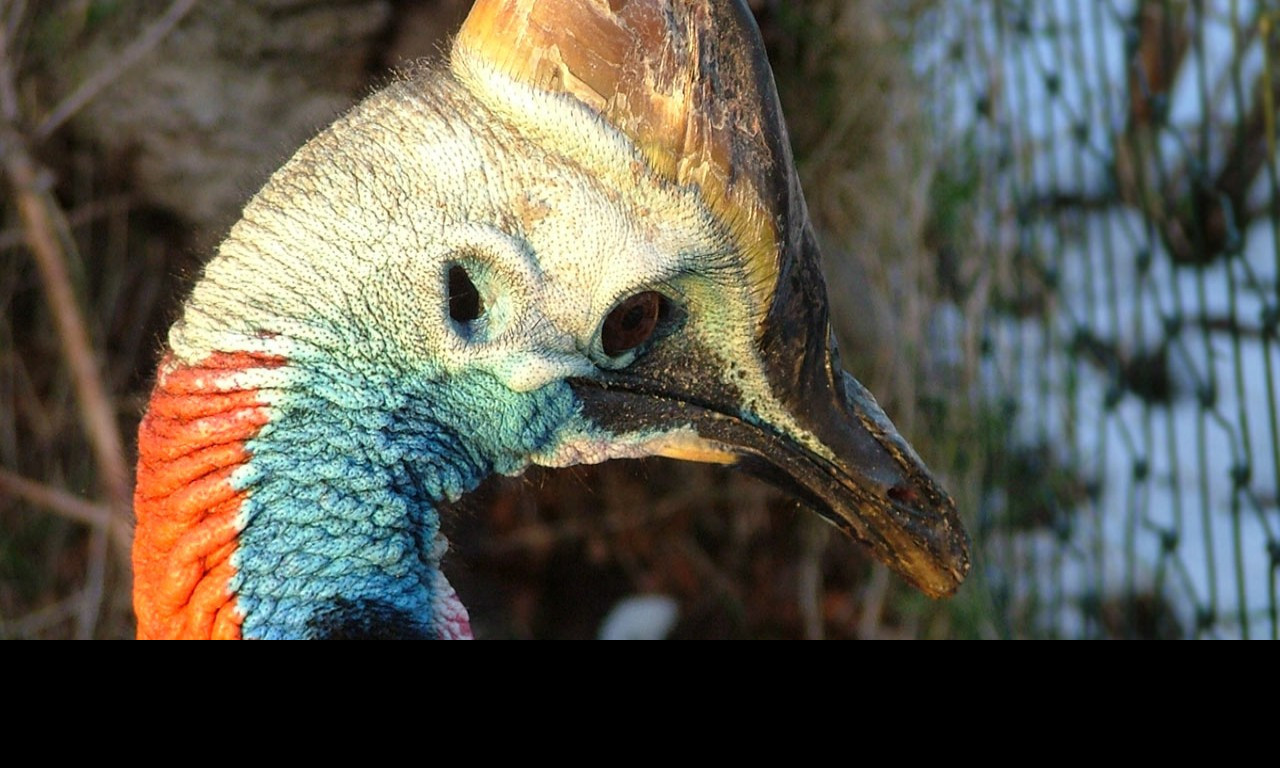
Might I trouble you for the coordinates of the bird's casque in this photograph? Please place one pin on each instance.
(583, 239)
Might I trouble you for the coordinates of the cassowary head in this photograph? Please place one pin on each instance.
(582, 240)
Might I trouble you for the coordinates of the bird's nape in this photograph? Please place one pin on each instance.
(582, 240)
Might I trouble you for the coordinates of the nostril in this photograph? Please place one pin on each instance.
(904, 494)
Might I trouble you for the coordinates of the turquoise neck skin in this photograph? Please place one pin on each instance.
(345, 481)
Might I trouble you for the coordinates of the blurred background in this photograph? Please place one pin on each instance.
(1051, 233)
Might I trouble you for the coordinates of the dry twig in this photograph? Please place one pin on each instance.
(43, 223)
(90, 88)
(41, 220)
(57, 501)
(37, 621)
(70, 506)
(814, 535)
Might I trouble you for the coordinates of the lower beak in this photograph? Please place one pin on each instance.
(855, 470)
(840, 455)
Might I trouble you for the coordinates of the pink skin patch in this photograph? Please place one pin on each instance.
(451, 619)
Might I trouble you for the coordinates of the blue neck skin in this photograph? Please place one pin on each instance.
(340, 527)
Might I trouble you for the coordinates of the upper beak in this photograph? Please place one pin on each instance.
(839, 454)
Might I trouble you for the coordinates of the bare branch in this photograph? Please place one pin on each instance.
(72, 507)
(95, 584)
(871, 624)
(8, 89)
(90, 88)
(42, 219)
(76, 217)
(37, 621)
(15, 12)
(814, 535)
(57, 501)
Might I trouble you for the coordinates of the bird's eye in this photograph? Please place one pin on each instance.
(464, 297)
(632, 322)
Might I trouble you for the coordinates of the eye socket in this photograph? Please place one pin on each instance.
(632, 322)
(464, 298)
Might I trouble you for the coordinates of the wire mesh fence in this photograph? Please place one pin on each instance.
(1106, 216)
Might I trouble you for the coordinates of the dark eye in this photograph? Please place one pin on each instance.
(632, 322)
(464, 298)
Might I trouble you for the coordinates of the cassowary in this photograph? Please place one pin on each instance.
(583, 239)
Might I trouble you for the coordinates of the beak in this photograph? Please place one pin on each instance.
(845, 457)
(853, 468)
(837, 453)
(819, 435)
